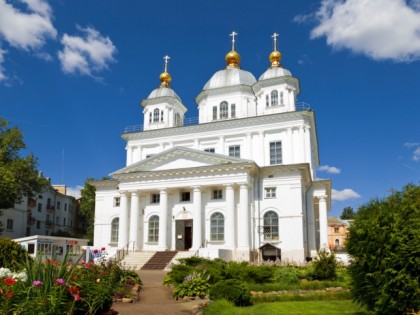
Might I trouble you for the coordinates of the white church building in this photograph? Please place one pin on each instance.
(241, 178)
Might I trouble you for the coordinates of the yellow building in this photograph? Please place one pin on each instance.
(337, 233)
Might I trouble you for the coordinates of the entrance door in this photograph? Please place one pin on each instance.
(188, 237)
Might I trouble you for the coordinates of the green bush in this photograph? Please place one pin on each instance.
(288, 276)
(324, 266)
(12, 255)
(193, 261)
(232, 290)
(177, 274)
(384, 243)
(195, 284)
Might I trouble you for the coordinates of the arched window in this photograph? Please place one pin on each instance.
(154, 229)
(156, 115)
(281, 98)
(274, 98)
(217, 227)
(337, 242)
(115, 226)
(271, 226)
(224, 110)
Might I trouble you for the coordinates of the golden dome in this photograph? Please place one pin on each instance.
(275, 58)
(165, 78)
(233, 58)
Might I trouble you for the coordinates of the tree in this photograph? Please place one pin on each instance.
(19, 176)
(87, 206)
(384, 243)
(347, 214)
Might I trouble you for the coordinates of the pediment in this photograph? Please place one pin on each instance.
(179, 158)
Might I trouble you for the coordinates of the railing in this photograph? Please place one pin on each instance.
(338, 249)
(31, 220)
(122, 252)
(190, 121)
(51, 208)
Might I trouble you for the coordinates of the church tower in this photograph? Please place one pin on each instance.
(163, 108)
(276, 89)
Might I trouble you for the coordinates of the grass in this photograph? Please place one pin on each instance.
(295, 296)
(222, 307)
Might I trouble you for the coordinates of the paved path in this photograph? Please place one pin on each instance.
(155, 298)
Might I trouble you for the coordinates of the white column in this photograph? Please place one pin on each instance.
(290, 143)
(262, 151)
(230, 217)
(197, 219)
(134, 219)
(123, 226)
(307, 145)
(129, 155)
(163, 219)
(139, 153)
(323, 222)
(302, 144)
(221, 145)
(243, 214)
(248, 146)
(196, 144)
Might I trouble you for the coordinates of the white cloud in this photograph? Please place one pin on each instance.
(86, 54)
(416, 147)
(329, 169)
(2, 74)
(345, 194)
(74, 191)
(26, 30)
(379, 29)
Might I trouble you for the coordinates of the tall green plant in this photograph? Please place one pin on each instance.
(384, 243)
(12, 255)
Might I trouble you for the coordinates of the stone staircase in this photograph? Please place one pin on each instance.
(136, 260)
(159, 261)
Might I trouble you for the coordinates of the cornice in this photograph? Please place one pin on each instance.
(221, 125)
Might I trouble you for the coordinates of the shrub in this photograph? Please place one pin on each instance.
(193, 261)
(384, 242)
(194, 285)
(325, 266)
(232, 290)
(177, 274)
(12, 255)
(288, 276)
(259, 274)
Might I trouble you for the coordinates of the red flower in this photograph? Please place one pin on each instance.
(9, 294)
(95, 251)
(77, 297)
(9, 281)
(103, 248)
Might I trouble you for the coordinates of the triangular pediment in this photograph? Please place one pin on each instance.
(179, 158)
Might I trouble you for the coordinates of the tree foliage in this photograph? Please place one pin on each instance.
(87, 206)
(384, 243)
(12, 255)
(18, 175)
(347, 214)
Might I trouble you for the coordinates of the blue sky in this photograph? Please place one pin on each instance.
(72, 74)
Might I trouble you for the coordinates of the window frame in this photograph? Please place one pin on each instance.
(232, 110)
(183, 194)
(224, 110)
(217, 227)
(153, 229)
(115, 229)
(270, 192)
(276, 154)
(271, 226)
(210, 150)
(9, 224)
(155, 198)
(274, 98)
(117, 201)
(217, 194)
(214, 112)
(156, 113)
(235, 151)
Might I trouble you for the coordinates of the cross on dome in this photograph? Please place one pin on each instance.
(275, 35)
(166, 58)
(233, 34)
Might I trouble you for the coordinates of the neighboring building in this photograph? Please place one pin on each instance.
(243, 177)
(337, 233)
(46, 213)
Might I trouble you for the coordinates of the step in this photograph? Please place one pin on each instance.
(159, 261)
(179, 255)
(136, 260)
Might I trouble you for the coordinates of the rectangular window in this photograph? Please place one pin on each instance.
(58, 205)
(214, 112)
(9, 225)
(149, 155)
(39, 207)
(336, 230)
(217, 194)
(155, 198)
(270, 192)
(232, 110)
(224, 110)
(275, 153)
(117, 201)
(64, 221)
(57, 220)
(65, 207)
(38, 224)
(210, 150)
(267, 101)
(235, 151)
(185, 196)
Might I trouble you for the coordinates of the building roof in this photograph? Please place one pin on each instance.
(230, 76)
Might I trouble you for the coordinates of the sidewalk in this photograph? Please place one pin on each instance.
(155, 298)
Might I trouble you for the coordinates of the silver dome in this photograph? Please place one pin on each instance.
(162, 92)
(274, 72)
(230, 77)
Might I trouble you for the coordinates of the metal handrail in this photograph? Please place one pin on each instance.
(122, 252)
(190, 121)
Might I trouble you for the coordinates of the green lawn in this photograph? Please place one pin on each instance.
(289, 308)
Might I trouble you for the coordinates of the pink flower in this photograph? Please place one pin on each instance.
(77, 297)
(103, 248)
(37, 283)
(9, 294)
(61, 282)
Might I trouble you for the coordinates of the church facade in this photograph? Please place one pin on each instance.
(240, 178)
